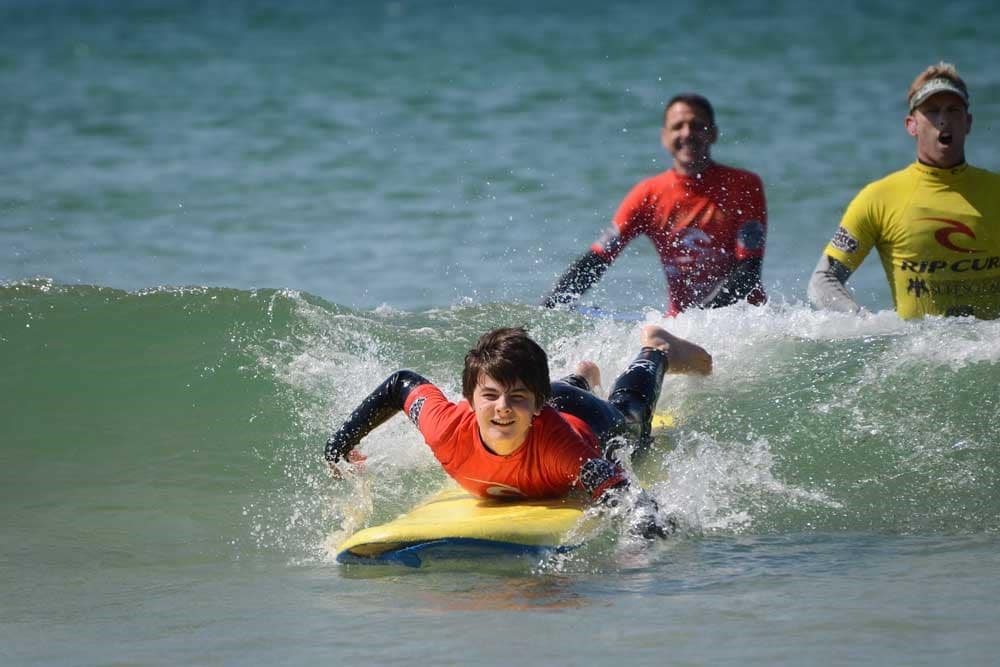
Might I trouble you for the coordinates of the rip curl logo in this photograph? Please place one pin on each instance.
(694, 240)
(944, 235)
(498, 490)
(692, 246)
(414, 413)
(843, 240)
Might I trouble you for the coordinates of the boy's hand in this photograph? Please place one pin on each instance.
(355, 459)
(648, 521)
(658, 527)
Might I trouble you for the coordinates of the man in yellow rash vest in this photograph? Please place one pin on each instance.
(935, 224)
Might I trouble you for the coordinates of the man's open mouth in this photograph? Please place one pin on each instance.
(945, 138)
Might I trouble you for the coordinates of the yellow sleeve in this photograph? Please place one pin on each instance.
(857, 233)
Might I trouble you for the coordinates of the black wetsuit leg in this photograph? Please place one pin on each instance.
(576, 380)
(572, 395)
(636, 392)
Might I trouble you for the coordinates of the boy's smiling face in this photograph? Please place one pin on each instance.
(504, 414)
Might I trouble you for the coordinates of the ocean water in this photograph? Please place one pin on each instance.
(221, 225)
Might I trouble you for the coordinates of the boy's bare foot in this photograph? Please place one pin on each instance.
(684, 356)
(590, 371)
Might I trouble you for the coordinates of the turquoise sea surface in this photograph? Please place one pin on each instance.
(223, 224)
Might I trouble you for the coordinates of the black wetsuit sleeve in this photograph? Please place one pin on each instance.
(737, 286)
(388, 399)
(578, 278)
(598, 476)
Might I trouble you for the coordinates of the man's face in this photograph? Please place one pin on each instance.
(688, 135)
(504, 414)
(940, 125)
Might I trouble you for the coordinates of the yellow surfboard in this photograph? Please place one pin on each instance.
(453, 524)
(663, 420)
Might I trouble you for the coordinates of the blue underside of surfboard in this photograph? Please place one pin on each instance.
(451, 549)
(600, 313)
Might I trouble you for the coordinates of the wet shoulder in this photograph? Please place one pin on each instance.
(657, 182)
(985, 176)
(736, 174)
(898, 181)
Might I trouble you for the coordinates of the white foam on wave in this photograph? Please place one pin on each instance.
(744, 339)
(337, 360)
(722, 486)
(785, 377)
(953, 343)
(329, 363)
(792, 382)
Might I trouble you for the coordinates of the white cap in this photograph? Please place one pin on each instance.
(935, 86)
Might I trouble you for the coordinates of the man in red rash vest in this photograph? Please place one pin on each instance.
(519, 436)
(707, 221)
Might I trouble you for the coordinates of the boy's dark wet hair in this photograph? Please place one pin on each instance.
(508, 355)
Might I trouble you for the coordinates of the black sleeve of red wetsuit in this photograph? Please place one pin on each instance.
(388, 399)
(598, 475)
(735, 287)
(579, 278)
